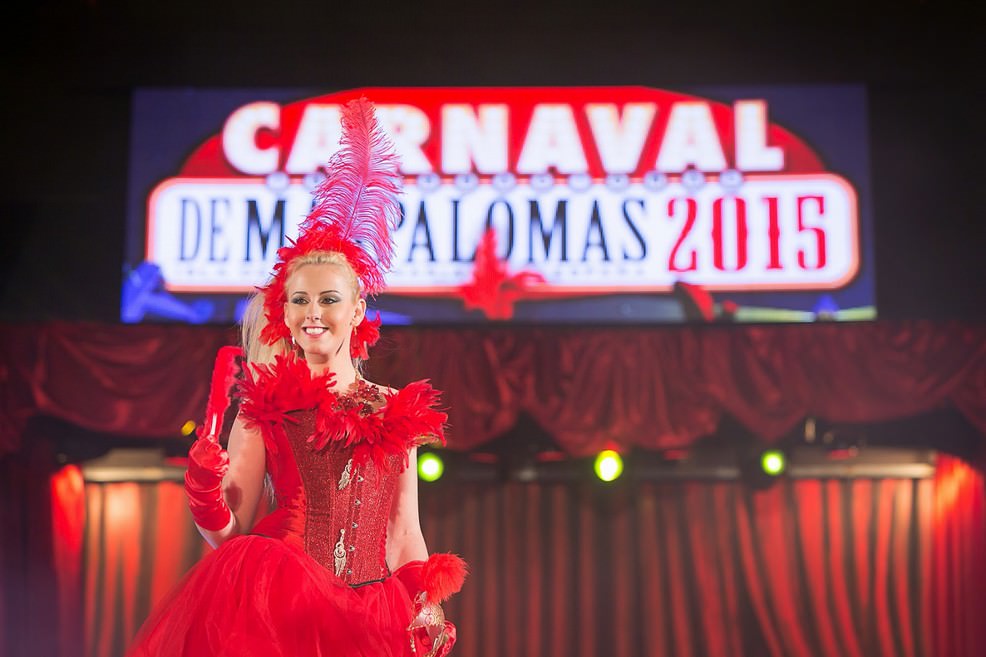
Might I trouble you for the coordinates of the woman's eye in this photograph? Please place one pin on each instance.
(299, 300)
(328, 300)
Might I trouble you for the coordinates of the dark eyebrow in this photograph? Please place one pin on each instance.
(320, 293)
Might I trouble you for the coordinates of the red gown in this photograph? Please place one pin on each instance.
(311, 579)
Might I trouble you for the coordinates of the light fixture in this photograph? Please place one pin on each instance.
(772, 462)
(608, 465)
(430, 466)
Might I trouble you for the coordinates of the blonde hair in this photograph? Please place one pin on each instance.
(255, 321)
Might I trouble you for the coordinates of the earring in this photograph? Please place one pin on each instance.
(364, 335)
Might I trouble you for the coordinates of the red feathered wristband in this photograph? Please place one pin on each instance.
(439, 578)
(442, 576)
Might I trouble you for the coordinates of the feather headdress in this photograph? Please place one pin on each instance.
(355, 211)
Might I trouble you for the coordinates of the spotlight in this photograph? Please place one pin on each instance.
(430, 466)
(608, 465)
(772, 462)
(761, 467)
(188, 428)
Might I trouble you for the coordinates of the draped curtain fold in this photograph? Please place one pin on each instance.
(957, 574)
(808, 568)
(647, 387)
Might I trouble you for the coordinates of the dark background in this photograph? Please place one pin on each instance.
(69, 67)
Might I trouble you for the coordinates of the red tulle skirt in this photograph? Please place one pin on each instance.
(258, 597)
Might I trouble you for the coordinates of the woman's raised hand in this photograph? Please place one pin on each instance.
(207, 465)
(208, 462)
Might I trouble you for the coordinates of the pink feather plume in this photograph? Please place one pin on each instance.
(355, 211)
(358, 202)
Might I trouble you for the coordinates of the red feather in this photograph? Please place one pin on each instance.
(365, 335)
(442, 576)
(224, 376)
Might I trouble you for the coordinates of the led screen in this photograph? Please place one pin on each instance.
(529, 205)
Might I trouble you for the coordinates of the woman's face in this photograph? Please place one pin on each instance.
(322, 310)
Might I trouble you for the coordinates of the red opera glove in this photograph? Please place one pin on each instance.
(207, 465)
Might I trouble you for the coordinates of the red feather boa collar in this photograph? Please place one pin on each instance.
(375, 431)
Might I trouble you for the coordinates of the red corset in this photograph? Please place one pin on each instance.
(331, 507)
(335, 459)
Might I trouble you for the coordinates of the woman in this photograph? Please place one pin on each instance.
(340, 567)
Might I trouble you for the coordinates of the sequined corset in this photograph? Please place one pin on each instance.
(335, 459)
(335, 510)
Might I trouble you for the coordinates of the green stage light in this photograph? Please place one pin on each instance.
(773, 462)
(608, 465)
(430, 466)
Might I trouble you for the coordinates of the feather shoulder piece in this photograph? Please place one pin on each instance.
(381, 433)
(267, 392)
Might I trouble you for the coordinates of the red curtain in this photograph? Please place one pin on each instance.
(139, 541)
(808, 568)
(958, 577)
(653, 387)
(68, 516)
(29, 600)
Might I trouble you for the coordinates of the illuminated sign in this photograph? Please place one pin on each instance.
(607, 193)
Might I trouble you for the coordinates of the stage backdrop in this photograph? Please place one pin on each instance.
(833, 568)
(536, 204)
(636, 387)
